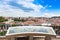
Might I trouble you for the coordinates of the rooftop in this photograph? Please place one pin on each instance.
(30, 29)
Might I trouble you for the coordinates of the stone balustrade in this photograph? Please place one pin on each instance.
(36, 38)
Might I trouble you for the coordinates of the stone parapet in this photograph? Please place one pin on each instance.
(35, 38)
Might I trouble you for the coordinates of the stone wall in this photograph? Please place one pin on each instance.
(2, 38)
(39, 38)
(57, 38)
(36, 38)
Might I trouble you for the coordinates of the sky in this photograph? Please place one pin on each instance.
(30, 8)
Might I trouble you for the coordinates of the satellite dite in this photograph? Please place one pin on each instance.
(31, 32)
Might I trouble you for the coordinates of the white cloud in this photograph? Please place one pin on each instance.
(49, 14)
(8, 10)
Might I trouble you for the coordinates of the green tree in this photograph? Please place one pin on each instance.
(1, 19)
(2, 33)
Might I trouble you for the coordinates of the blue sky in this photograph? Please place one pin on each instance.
(25, 8)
